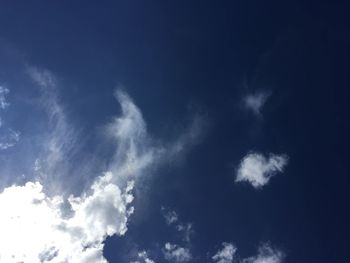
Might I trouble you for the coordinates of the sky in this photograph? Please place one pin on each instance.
(174, 131)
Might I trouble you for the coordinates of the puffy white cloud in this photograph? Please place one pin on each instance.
(37, 228)
(256, 169)
(226, 254)
(266, 254)
(175, 253)
(255, 102)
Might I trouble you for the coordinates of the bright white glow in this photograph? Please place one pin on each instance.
(34, 227)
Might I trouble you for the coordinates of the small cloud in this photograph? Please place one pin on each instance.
(9, 139)
(143, 257)
(254, 102)
(3, 103)
(172, 219)
(256, 169)
(266, 254)
(226, 254)
(8, 136)
(175, 253)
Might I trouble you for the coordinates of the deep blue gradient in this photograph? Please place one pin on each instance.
(176, 58)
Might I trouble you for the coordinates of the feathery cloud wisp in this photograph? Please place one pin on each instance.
(175, 253)
(254, 102)
(226, 254)
(266, 254)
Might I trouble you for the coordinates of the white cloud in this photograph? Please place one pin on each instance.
(59, 140)
(266, 254)
(3, 102)
(175, 253)
(256, 169)
(172, 219)
(170, 216)
(9, 139)
(226, 254)
(37, 227)
(143, 256)
(8, 136)
(255, 102)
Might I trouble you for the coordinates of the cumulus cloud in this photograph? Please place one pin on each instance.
(266, 254)
(175, 253)
(35, 227)
(39, 227)
(226, 254)
(254, 102)
(257, 169)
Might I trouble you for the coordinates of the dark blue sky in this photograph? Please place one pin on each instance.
(177, 59)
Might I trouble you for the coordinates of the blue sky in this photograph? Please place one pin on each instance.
(174, 131)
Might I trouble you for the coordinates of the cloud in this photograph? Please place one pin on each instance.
(59, 140)
(38, 227)
(9, 139)
(254, 102)
(266, 254)
(143, 256)
(175, 253)
(257, 170)
(226, 254)
(3, 102)
(172, 219)
(8, 136)
(35, 227)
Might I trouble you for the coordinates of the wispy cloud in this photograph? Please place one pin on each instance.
(9, 139)
(143, 257)
(3, 102)
(257, 169)
(175, 253)
(226, 254)
(37, 227)
(8, 136)
(255, 101)
(60, 138)
(266, 254)
(172, 219)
